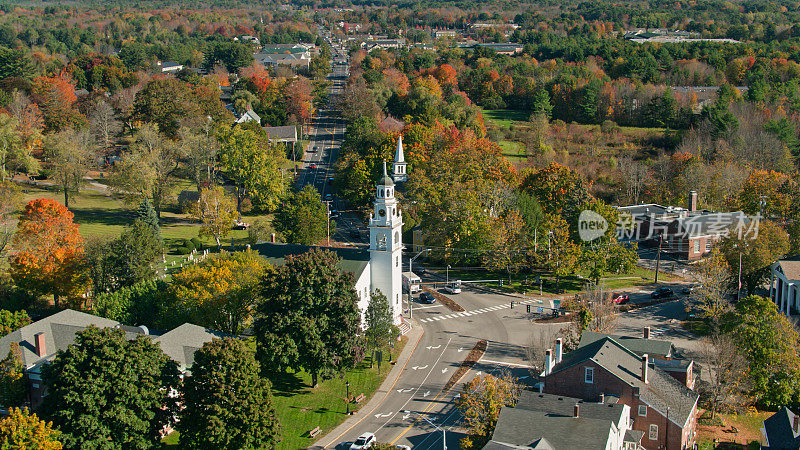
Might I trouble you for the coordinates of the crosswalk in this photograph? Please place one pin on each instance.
(517, 304)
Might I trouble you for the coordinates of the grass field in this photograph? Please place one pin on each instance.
(301, 408)
(504, 117)
(513, 151)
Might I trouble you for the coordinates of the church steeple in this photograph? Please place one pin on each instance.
(399, 167)
(386, 244)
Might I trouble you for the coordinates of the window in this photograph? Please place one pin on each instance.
(697, 246)
(35, 385)
(708, 245)
(589, 375)
(653, 435)
(397, 261)
(643, 410)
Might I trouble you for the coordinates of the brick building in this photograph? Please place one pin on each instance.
(661, 407)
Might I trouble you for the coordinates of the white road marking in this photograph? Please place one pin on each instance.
(444, 370)
(377, 416)
(502, 363)
(475, 311)
(404, 390)
(427, 393)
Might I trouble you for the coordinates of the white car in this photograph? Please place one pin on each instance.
(452, 289)
(366, 440)
(403, 447)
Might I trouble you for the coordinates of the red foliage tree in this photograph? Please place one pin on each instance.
(56, 98)
(48, 251)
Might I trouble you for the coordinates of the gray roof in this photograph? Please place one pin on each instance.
(354, 260)
(181, 343)
(523, 427)
(637, 345)
(778, 428)
(559, 404)
(790, 267)
(59, 332)
(646, 210)
(708, 223)
(283, 133)
(540, 444)
(662, 392)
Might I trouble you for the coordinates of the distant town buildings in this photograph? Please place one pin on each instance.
(663, 35)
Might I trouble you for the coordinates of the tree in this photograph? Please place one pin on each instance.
(13, 384)
(714, 277)
(216, 212)
(15, 63)
(107, 392)
(200, 155)
(219, 292)
(104, 126)
(171, 103)
(133, 256)
(9, 200)
(770, 343)
(70, 152)
(148, 170)
(48, 256)
(757, 251)
(254, 164)
(381, 330)
(303, 219)
(480, 403)
(562, 253)
(22, 429)
(148, 216)
(12, 321)
(227, 403)
(308, 318)
(560, 190)
(56, 98)
(10, 143)
(233, 55)
(540, 103)
(139, 304)
(728, 374)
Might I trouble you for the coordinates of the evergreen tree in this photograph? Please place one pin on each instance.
(148, 215)
(228, 405)
(380, 325)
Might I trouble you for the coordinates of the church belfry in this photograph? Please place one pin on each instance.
(399, 167)
(386, 245)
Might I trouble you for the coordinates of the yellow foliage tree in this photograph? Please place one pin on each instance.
(480, 404)
(216, 211)
(23, 430)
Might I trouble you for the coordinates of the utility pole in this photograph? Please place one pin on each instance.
(739, 290)
(658, 257)
(328, 210)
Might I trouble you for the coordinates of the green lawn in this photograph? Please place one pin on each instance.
(505, 117)
(300, 408)
(513, 151)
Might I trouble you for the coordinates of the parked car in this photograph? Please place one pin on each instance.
(403, 447)
(312, 166)
(662, 292)
(620, 298)
(366, 440)
(427, 297)
(330, 180)
(328, 196)
(452, 289)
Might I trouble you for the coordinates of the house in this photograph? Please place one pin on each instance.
(249, 116)
(391, 125)
(687, 233)
(169, 66)
(784, 283)
(444, 34)
(383, 44)
(781, 430)
(286, 133)
(545, 421)
(379, 267)
(661, 407)
(504, 49)
(293, 60)
(40, 341)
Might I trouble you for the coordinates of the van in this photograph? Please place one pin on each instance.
(411, 282)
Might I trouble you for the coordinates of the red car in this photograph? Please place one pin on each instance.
(312, 166)
(620, 298)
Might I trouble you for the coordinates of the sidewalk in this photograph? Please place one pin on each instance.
(332, 438)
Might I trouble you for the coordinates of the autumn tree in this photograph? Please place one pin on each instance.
(299, 100)
(480, 403)
(71, 153)
(56, 97)
(308, 318)
(148, 170)
(560, 190)
(562, 251)
(729, 370)
(105, 389)
(714, 276)
(199, 150)
(48, 256)
(219, 292)
(757, 251)
(216, 212)
(381, 330)
(13, 383)
(508, 244)
(254, 164)
(9, 201)
(22, 429)
(303, 219)
(227, 403)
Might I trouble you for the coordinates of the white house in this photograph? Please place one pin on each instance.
(249, 116)
(784, 283)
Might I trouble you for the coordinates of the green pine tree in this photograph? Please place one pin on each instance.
(148, 215)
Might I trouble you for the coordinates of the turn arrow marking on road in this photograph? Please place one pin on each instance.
(461, 349)
(434, 348)
(404, 390)
(420, 367)
(426, 394)
(444, 370)
(406, 416)
(382, 415)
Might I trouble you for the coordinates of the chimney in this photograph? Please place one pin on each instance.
(272, 238)
(693, 201)
(646, 333)
(558, 350)
(795, 423)
(645, 368)
(41, 349)
(548, 361)
(576, 411)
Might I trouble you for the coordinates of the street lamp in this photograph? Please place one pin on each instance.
(448, 274)
(444, 435)
(347, 400)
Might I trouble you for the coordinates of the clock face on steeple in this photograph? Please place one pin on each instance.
(381, 212)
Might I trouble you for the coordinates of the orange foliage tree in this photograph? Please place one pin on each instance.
(48, 255)
(56, 98)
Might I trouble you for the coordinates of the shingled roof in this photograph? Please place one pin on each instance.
(181, 343)
(790, 267)
(353, 260)
(526, 428)
(663, 392)
(638, 345)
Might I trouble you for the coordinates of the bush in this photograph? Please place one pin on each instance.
(260, 230)
(608, 126)
(196, 244)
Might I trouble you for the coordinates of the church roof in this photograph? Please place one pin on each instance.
(386, 180)
(354, 260)
(399, 157)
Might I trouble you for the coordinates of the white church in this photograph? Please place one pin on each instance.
(380, 267)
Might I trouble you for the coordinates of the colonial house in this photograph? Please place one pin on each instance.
(40, 341)
(781, 431)
(545, 421)
(784, 283)
(249, 116)
(661, 407)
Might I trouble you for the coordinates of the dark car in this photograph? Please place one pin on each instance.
(662, 292)
(621, 298)
(426, 297)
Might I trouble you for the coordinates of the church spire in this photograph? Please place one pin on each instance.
(399, 166)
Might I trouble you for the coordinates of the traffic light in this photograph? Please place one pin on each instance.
(528, 307)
